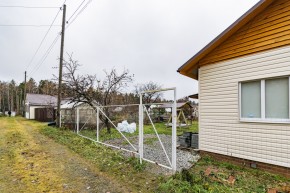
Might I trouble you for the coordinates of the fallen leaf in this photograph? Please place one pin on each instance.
(285, 188)
(232, 180)
(207, 171)
(272, 190)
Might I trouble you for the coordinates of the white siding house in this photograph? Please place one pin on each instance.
(223, 129)
(244, 88)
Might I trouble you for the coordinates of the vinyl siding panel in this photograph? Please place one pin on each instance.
(270, 29)
(221, 130)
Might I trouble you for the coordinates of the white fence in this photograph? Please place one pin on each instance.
(143, 112)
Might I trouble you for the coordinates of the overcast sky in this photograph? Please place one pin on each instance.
(150, 38)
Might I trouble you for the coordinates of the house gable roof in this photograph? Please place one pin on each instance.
(190, 68)
(41, 100)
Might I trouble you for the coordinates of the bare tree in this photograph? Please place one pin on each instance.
(150, 97)
(90, 90)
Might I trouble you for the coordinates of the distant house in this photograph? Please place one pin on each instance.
(68, 112)
(40, 107)
(244, 84)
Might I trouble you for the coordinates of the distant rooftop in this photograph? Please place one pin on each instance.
(41, 99)
(178, 105)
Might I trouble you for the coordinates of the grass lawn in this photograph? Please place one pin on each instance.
(207, 175)
(148, 129)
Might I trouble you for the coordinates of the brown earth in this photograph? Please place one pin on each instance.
(31, 162)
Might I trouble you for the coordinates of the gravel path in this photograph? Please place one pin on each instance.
(153, 151)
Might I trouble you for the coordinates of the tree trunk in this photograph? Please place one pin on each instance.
(17, 101)
(12, 100)
(108, 125)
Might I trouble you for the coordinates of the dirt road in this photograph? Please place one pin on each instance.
(31, 162)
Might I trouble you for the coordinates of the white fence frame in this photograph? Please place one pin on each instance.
(99, 110)
(172, 163)
(140, 150)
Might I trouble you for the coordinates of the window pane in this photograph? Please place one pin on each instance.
(251, 99)
(277, 98)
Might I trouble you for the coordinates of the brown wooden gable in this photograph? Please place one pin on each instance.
(269, 29)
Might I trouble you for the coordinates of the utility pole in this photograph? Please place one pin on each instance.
(8, 98)
(24, 95)
(60, 67)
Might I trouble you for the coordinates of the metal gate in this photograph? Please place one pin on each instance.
(142, 113)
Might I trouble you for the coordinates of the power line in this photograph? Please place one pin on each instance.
(26, 25)
(43, 39)
(55, 40)
(26, 7)
(76, 10)
(43, 58)
(41, 61)
(83, 8)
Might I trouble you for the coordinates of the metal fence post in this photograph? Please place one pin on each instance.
(60, 119)
(141, 129)
(78, 120)
(98, 123)
(174, 117)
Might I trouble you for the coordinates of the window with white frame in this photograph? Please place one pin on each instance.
(266, 99)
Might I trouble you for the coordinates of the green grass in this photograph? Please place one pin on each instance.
(246, 179)
(130, 172)
(148, 129)
(127, 170)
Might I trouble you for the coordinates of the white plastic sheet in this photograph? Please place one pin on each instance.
(126, 127)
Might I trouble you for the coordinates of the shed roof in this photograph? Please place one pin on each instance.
(178, 105)
(41, 99)
(190, 68)
(70, 105)
(193, 96)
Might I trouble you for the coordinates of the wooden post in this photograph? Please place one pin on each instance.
(24, 95)
(60, 67)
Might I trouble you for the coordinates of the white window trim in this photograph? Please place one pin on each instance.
(260, 120)
(289, 95)
(263, 118)
(263, 100)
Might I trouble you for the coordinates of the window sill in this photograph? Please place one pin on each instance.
(284, 121)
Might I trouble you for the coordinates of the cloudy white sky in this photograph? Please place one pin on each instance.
(150, 38)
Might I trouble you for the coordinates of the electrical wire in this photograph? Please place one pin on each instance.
(55, 40)
(26, 25)
(58, 36)
(83, 8)
(26, 7)
(43, 58)
(41, 61)
(43, 39)
(76, 10)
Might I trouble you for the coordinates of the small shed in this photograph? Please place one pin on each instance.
(68, 112)
(40, 101)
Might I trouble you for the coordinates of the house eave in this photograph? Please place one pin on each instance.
(193, 63)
